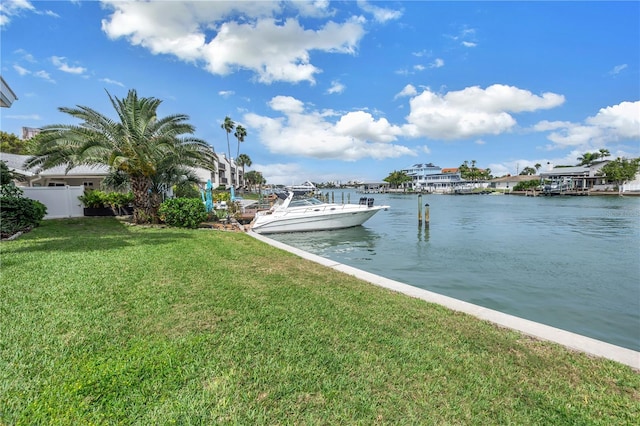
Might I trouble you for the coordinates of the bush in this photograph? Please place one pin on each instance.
(19, 214)
(183, 212)
(93, 199)
(97, 199)
(187, 190)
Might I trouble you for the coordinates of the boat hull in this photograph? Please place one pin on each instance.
(313, 221)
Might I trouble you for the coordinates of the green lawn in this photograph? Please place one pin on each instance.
(105, 323)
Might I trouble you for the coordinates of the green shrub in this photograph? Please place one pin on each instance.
(183, 212)
(118, 199)
(97, 199)
(93, 199)
(527, 184)
(187, 190)
(19, 214)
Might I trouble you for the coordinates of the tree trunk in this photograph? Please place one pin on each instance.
(142, 212)
(155, 200)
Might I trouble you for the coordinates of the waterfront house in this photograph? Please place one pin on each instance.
(91, 177)
(373, 187)
(87, 176)
(585, 178)
(431, 178)
(507, 183)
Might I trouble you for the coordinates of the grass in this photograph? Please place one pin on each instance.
(104, 323)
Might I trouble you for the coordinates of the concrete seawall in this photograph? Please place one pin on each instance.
(570, 340)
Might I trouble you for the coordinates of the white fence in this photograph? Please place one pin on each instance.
(61, 201)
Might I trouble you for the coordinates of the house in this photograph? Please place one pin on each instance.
(88, 176)
(91, 177)
(431, 178)
(372, 187)
(585, 178)
(507, 183)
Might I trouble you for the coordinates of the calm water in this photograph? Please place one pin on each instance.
(569, 262)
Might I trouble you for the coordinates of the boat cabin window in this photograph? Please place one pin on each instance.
(304, 202)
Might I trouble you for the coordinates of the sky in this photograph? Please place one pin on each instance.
(343, 91)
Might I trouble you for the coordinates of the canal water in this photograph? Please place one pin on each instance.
(568, 262)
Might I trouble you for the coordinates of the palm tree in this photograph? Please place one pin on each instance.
(397, 178)
(255, 178)
(140, 145)
(228, 125)
(537, 166)
(243, 160)
(604, 152)
(587, 158)
(240, 134)
(528, 171)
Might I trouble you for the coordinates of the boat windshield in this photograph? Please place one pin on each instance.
(304, 202)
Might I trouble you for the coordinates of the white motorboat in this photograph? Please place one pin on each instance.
(305, 188)
(295, 213)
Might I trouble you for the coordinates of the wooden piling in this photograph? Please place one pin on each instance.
(419, 209)
(426, 215)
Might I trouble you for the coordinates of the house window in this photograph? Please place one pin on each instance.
(87, 184)
(55, 184)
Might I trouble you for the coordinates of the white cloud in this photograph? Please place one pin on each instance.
(226, 93)
(617, 69)
(310, 133)
(60, 63)
(254, 39)
(620, 121)
(44, 75)
(466, 37)
(282, 173)
(21, 70)
(419, 67)
(472, 111)
(408, 90)
(379, 14)
(437, 63)
(33, 117)
(110, 81)
(362, 126)
(610, 125)
(336, 87)
(11, 8)
(25, 55)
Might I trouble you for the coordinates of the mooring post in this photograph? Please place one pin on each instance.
(343, 198)
(332, 198)
(349, 198)
(419, 209)
(426, 215)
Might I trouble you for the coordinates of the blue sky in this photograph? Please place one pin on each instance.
(340, 91)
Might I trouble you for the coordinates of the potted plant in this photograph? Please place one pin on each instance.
(100, 203)
(120, 203)
(95, 203)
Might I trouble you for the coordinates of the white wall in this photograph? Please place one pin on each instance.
(61, 201)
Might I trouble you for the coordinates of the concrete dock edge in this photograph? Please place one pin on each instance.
(568, 339)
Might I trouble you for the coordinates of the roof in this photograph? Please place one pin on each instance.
(16, 162)
(575, 170)
(449, 170)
